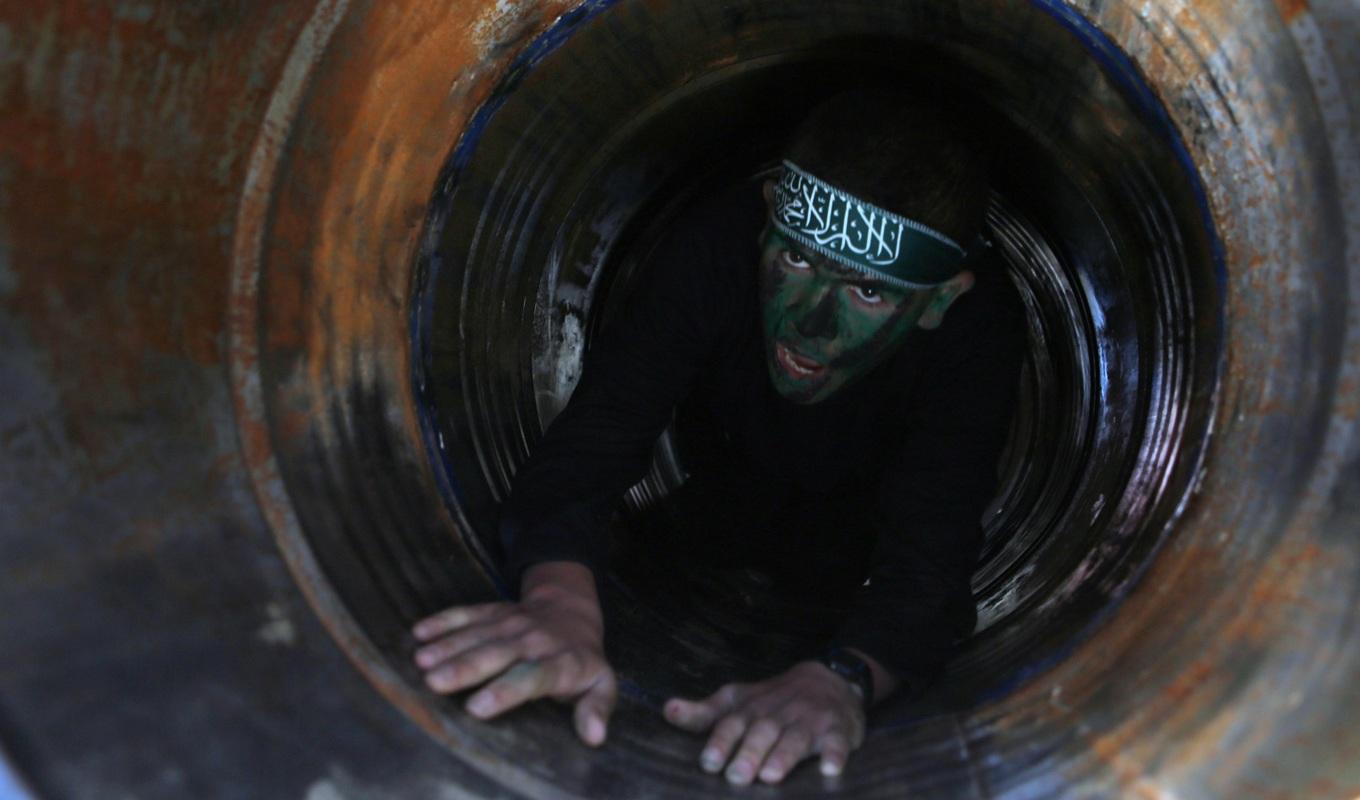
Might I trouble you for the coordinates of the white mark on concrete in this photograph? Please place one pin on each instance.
(323, 790)
(497, 25)
(1055, 699)
(340, 785)
(1004, 601)
(567, 370)
(278, 629)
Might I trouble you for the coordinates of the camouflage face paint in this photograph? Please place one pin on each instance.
(825, 325)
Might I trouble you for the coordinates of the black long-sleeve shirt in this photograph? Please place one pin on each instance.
(918, 437)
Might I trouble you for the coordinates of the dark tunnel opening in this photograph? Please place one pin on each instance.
(586, 153)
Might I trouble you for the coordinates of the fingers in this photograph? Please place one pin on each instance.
(525, 681)
(562, 676)
(732, 707)
(792, 747)
(594, 709)
(487, 642)
(697, 717)
(835, 749)
(770, 750)
(760, 739)
(440, 650)
(472, 667)
(452, 619)
(764, 730)
(720, 744)
(527, 652)
(691, 716)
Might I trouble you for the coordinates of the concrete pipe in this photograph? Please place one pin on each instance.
(288, 290)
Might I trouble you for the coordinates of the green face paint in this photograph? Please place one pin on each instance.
(825, 325)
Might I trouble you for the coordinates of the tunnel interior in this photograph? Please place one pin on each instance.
(612, 122)
(600, 132)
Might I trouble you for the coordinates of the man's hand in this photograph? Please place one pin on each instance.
(550, 644)
(805, 711)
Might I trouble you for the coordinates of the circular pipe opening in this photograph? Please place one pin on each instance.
(555, 188)
(609, 127)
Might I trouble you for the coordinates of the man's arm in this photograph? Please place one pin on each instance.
(643, 365)
(549, 642)
(918, 601)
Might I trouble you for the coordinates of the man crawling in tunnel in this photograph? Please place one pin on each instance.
(848, 430)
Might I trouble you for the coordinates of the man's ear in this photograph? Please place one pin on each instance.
(944, 297)
(767, 189)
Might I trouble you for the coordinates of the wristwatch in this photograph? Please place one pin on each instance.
(853, 669)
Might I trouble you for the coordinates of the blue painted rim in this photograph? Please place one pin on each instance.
(429, 263)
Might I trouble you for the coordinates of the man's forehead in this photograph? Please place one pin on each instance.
(843, 271)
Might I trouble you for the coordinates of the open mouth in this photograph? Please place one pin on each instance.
(795, 364)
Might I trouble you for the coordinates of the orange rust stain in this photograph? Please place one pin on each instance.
(1283, 590)
(1189, 681)
(382, 113)
(1289, 9)
(1151, 636)
(359, 173)
(1115, 753)
(291, 425)
(122, 141)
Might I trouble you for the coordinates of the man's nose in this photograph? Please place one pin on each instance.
(819, 321)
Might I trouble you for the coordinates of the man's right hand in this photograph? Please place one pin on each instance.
(549, 644)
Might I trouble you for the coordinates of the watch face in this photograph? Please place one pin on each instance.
(854, 670)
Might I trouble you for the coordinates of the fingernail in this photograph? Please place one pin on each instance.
(479, 705)
(830, 770)
(711, 760)
(595, 730)
(770, 774)
(737, 773)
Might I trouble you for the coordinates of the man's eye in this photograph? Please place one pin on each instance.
(868, 294)
(794, 260)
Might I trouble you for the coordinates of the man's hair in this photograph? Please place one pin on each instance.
(902, 152)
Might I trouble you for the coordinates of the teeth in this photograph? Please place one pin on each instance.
(793, 365)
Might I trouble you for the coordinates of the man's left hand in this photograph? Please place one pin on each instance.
(808, 710)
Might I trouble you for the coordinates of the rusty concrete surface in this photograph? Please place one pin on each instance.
(167, 629)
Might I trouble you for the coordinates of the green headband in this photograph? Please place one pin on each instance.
(860, 235)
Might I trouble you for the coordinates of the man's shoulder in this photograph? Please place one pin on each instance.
(698, 274)
(992, 309)
(987, 322)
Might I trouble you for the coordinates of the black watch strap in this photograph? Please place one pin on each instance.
(853, 669)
